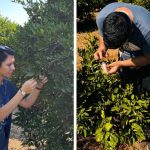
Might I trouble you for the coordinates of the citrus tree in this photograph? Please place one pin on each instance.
(44, 46)
(114, 112)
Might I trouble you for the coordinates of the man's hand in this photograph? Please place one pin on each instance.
(113, 67)
(29, 86)
(100, 53)
(42, 81)
(27, 102)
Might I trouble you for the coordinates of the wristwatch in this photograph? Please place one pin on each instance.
(23, 93)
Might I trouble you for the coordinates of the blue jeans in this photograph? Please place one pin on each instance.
(4, 135)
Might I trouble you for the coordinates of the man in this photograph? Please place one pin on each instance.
(10, 96)
(127, 27)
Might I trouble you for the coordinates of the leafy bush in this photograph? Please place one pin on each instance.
(45, 46)
(144, 3)
(85, 7)
(7, 30)
(112, 111)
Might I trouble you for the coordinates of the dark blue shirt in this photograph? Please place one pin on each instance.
(7, 92)
(139, 40)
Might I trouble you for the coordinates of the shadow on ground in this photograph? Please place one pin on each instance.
(87, 25)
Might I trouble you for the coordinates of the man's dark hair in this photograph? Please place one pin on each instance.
(116, 29)
(4, 52)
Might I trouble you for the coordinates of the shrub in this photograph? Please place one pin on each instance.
(114, 112)
(85, 7)
(7, 30)
(144, 3)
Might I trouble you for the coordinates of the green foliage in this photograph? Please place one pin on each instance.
(85, 7)
(45, 46)
(115, 112)
(144, 3)
(7, 30)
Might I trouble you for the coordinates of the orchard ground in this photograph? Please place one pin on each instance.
(16, 137)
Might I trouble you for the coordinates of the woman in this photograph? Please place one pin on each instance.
(10, 96)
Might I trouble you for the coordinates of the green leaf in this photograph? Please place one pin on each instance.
(115, 108)
(91, 78)
(132, 120)
(132, 96)
(136, 127)
(99, 135)
(141, 136)
(116, 90)
(103, 114)
(137, 107)
(109, 119)
(108, 126)
(85, 133)
(113, 140)
(107, 134)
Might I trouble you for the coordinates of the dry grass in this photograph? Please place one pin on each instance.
(15, 144)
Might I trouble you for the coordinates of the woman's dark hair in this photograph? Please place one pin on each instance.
(4, 52)
(116, 29)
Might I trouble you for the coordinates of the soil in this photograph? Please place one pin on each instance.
(16, 144)
(89, 143)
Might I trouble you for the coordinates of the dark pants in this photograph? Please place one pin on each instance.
(4, 135)
(139, 76)
(3, 139)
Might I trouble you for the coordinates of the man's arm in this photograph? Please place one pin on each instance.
(136, 62)
(101, 42)
(31, 99)
(8, 108)
(132, 62)
(101, 52)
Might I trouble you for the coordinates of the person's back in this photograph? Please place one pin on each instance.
(139, 38)
(141, 16)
